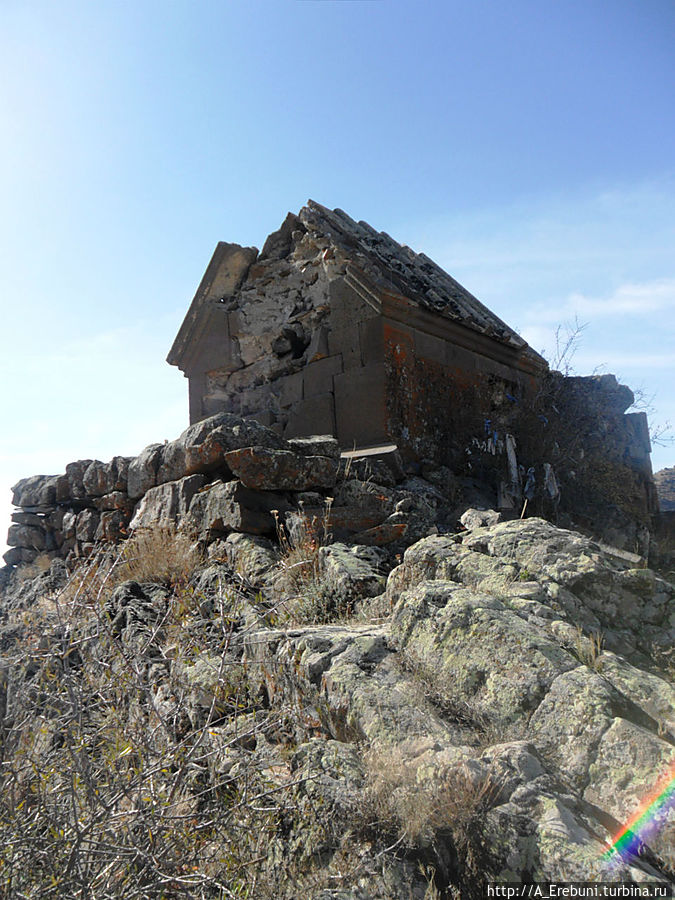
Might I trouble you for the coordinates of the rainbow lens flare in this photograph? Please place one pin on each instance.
(647, 819)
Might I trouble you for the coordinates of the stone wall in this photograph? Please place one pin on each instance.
(300, 349)
(222, 475)
(563, 444)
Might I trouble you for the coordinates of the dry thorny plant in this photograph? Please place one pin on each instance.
(402, 797)
(442, 689)
(309, 594)
(115, 781)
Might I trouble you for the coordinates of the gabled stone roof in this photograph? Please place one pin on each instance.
(411, 274)
(374, 261)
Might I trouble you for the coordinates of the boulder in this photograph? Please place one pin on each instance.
(113, 526)
(115, 500)
(344, 683)
(63, 489)
(142, 473)
(268, 470)
(27, 518)
(315, 445)
(27, 536)
(167, 504)
(86, 525)
(75, 475)
(479, 518)
(251, 556)
(38, 491)
(104, 478)
(19, 556)
(229, 506)
(629, 763)
(349, 572)
(201, 447)
(69, 523)
(382, 468)
(338, 521)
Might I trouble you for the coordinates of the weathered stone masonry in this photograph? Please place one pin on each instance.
(308, 335)
(336, 328)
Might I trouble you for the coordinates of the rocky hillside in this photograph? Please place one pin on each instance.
(236, 666)
(665, 488)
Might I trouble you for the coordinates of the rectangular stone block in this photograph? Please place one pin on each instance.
(345, 341)
(316, 415)
(459, 358)
(429, 347)
(264, 417)
(360, 407)
(231, 507)
(289, 389)
(371, 340)
(318, 376)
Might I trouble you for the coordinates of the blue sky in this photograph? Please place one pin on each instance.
(528, 147)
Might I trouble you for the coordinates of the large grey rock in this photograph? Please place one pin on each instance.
(251, 556)
(229, 506)
(343, 681)
(104, 478)
(630, 762)
(37, 491)
(117, 500)
(281, 470)
(28, 536)
(633, 608)
(167, 504)
(142, 473)
(349, 572)
(86, 525)
(479, 518)
(19, 556)
(29, 518)
(316, 445)
(112, 527)
(505, 628)
(75, 476)
(202, 446)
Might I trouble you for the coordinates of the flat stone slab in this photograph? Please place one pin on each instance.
(264, 469)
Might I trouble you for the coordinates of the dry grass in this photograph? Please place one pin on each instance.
(113, 781)
(589, 650)
(162, 554)
(403, 800)
(308, 593)
(39, 566)
(439, 687)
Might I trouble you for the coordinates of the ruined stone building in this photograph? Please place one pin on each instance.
(312, 335)
(335, 328)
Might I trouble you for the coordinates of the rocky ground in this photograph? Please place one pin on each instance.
(294, 679)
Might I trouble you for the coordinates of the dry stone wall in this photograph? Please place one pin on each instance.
(224, 474)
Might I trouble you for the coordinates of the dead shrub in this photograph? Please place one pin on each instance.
(439, 687)
(162, 553)
(309, 595)
(128, 758)
(39, 566)
(412, 805)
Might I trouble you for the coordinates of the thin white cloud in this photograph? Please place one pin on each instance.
(628, 299)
